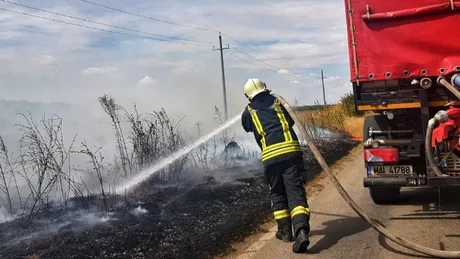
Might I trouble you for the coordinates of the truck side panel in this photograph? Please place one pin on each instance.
(402, 39)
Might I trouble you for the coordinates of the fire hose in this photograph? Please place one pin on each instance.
(440, 117)
(374, 223)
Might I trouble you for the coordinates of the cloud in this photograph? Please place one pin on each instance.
(93, 71)
(146, 81)
(46, 60)
(76, 64)
(283, 72)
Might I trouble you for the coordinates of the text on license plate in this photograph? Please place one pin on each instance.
(396, 169)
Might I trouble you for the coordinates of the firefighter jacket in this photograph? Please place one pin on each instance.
(272, 128)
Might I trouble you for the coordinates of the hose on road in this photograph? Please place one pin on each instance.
(373, 222)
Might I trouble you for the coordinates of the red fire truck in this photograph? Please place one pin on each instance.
(405, 70)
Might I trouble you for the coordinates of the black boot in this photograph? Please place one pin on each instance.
(302, 242)
(284, 234)
(284, 231)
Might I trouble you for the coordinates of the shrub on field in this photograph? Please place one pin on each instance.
(43, 162)
(347, 104)
(42, 165)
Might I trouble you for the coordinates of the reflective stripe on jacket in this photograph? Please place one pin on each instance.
(272, 127)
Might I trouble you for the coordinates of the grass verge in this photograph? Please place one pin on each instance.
(339, 117)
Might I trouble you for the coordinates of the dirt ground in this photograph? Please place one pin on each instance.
(188, 220)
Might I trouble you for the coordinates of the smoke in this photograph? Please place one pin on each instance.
(5, 216)
(139, 211)
(212, 159)
(75, 221)
(236, 161)
(92, 125)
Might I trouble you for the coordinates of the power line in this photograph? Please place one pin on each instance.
(255, 58)
(184, 41)
(99, 23)
(277, 68)
(255, 64)
(244, 45)
(191, 27)
(169, 22)
(121, 33)
(229, 53)
(94, 28)
(147, 17)
(263, 54)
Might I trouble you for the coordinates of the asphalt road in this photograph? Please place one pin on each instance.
(338, 232)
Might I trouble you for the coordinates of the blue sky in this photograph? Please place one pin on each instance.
(286, 43)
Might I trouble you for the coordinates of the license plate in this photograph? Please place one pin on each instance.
(394, 169)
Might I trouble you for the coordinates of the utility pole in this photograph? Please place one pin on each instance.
(223, 73)
(324, 92)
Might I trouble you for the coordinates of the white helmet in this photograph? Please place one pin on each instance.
(253, 87)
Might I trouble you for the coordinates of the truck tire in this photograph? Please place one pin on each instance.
(384, 195)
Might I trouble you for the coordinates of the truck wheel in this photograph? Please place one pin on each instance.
(384, 195)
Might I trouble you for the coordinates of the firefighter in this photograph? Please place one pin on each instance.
(282, 158)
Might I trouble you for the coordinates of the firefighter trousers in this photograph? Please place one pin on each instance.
(287, 194)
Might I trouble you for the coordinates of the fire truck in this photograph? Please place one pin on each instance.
(404, 63)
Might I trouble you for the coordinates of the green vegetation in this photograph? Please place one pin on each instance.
(348, 104)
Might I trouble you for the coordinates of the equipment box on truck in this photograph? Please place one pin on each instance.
(404, 61)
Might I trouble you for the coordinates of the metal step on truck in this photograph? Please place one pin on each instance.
(404, 59)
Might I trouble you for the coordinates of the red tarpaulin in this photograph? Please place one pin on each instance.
(403, 38)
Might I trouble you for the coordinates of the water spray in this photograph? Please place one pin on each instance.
(303, 128)
(373, 222)
(145, 174)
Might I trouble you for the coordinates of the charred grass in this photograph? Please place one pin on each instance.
(168, 216)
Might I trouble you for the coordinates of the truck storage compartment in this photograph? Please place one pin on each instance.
(395, 39)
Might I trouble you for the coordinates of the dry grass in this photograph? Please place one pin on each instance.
(335, 118)
(354, 126)
(331, 117)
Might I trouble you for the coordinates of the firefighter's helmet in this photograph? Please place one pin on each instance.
(253, 87)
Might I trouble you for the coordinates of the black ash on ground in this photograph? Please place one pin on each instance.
(184, 221)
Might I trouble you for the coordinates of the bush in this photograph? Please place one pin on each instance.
(347, 103)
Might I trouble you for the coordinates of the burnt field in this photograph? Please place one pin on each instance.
(192, 219)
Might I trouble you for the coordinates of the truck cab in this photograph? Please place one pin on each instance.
(405, 72)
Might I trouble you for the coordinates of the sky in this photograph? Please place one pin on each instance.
(136, 58)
